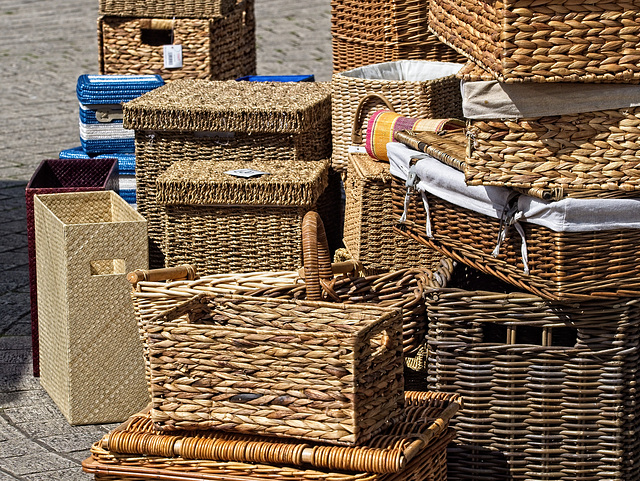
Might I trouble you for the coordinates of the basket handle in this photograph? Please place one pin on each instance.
(316, 256)
(156, 23)
(356, 128)
(186, 271)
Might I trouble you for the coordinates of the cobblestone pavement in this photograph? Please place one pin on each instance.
(44, 47)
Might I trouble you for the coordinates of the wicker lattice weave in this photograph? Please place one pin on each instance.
(550, 41)
(167, 8)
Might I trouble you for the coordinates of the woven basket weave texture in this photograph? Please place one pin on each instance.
(217, 363)
(544, 41)
(212, 48)
(91, 360)
(167, 8)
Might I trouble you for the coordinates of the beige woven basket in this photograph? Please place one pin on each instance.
(212, 48)
(200, 120)
(167, 8)
(400, 86)
(91, 360)
(544, 41)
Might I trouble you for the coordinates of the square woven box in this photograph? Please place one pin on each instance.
(220, 222)
(544, 41)
(203, 120)
(167, 8)
(55, 176)
(91, 359)
(301, 369)
(212, 48)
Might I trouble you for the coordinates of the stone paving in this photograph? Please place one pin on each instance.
(44, 47)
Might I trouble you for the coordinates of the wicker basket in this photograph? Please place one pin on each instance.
(402, 450)
(167, 8)
(212, 48)
(543, 41)
(413, 88)
(369, 32)
(548, 388)
(562, 265)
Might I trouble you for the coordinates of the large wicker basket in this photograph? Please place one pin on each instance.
(544, 41)
(167, 8)
(548, 388)
(221, 48)
(369, 32)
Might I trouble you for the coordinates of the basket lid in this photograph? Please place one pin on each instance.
(231, 106)
(289, 183)
(114, 89)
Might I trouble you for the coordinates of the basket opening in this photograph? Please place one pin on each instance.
(155, 38)
(529, 335)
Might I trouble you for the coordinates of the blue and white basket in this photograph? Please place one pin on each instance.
(101, 98)
(126, 170)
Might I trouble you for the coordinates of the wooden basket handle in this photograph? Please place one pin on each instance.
(316, 255)
(356, 128)
(186, 271)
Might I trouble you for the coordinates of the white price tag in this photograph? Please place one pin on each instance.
(246, 173)
(172, 56)
(357, 149)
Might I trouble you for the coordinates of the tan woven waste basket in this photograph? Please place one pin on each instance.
(202, 120)
(91, 360)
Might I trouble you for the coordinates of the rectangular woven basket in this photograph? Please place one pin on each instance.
(548, 388)
(167, 8)
(212, 48)
(414, 446)
(300, 369)
(544, 41)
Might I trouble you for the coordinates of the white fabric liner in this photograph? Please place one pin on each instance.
(405, 70)
(127, 182)
(485, 100)
(566, 215)
(106, 131)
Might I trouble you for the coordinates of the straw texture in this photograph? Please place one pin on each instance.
(369, 32)
(90, 357)
(167, 8)
(221, 368)
(369, 220)
(547, 387)
(212, 48)
(549, 41)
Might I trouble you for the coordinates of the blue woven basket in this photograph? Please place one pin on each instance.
(114, 89)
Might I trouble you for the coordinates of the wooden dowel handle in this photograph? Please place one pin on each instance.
(164, 274)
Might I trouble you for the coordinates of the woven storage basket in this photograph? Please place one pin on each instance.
(369, 220)
(414, 446)
(586, 150)
(369, 32)
(214, 220)
(212, 48)
(167, 8)
(244, 121)
(91, 360)
(543, 41)
(548, 388)
(413, 88)
(567, 265)
(56, 176)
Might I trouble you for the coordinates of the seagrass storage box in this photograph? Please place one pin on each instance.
(544, 41)
(562, 137)
(369, 221)
(56, 176)
(368, 32)
(91, 361)
(301, 369)
(220, 221)
(167, 8)
(414, 448)
(573, 249)
(413, 88)
(203, 120)
(220, 48)
(549, 389)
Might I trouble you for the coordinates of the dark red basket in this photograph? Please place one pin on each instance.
(54, 176)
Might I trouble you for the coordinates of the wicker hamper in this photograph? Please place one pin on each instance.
(203, 120)
(544, 41)
(413, 449)
(91, 360)
(167, 8)
(55, 176)
(222, 223)
(557, 250)
(413, 88)
(220, 48)
(549, 389)
(369, 32)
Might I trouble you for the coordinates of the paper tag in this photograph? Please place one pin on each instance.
(357, 149)
(246, 173)
(172, 56)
